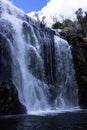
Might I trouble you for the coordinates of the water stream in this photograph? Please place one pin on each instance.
(43, 69)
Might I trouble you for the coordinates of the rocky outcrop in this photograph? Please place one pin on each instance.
(5, 59)
(79, 52)
(9, 102)
(9, 99)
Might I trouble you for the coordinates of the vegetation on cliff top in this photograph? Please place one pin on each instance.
(76, 35)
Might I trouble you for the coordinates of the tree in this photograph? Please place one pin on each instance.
(57, 25)
(82, 19)
(79, 14)
(42, 20)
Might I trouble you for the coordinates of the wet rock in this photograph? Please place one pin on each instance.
(35, 63)
(79, 52)
(5, 59)
(9, 99)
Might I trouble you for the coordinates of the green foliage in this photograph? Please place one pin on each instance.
(68, 23)
(79, 26)
(79, 15)
(57, 25)
(80, 60)
(83, 79)
(82, 20)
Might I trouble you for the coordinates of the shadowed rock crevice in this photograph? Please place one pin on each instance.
(9, 99)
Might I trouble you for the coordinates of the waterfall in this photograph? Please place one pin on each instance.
(43, 70)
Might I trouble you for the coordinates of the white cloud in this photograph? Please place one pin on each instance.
(61, 7)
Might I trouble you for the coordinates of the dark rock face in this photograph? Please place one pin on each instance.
(5, 59)
(6, 29)
(79, 52)
(9, 102)
(34, 63)
(9, 99)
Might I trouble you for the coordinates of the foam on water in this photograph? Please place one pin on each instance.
(55, 111)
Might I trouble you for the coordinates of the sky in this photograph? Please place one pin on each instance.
(50, 8)
(30, 5)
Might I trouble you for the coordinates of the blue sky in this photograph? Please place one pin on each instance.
(30, 5)
(49, 8)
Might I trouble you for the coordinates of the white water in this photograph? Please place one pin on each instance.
(29, 69)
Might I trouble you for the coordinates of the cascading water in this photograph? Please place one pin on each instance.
(43, 70)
